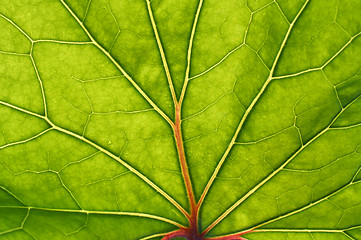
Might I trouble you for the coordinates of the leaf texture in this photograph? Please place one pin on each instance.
(193, 119)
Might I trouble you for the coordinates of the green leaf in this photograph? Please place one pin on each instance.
(168, 119)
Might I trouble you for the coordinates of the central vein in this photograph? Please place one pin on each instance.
(183, 162)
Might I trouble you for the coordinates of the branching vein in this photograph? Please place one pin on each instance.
(116, 158)
(133, 214)
(161, 51)
(135, 85)
(246, 114)
(189, 54)
(270, 176)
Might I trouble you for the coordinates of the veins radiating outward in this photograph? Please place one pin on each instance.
(192, 231)
(72, 134)
(175, 125)
(246, 114)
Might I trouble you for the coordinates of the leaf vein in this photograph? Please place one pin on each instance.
(135, 85)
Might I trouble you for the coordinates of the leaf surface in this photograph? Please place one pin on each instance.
(171, 119)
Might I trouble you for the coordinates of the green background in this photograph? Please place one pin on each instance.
(272, 114)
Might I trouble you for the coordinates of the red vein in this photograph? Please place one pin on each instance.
(183, 162)
(194, 235)
(193, 217)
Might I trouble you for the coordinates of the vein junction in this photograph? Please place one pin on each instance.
(191, 231)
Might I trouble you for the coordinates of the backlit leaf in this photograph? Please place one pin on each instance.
(169, 119)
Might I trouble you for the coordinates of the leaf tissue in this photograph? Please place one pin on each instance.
(180, 119)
